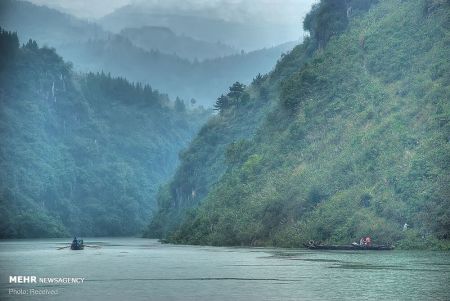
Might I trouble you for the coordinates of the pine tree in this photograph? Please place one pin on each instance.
(222, 103)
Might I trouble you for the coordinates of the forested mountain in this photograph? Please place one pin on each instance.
(81, 154)
(163, 39)
(356, 142)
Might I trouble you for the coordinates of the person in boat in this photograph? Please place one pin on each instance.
(365, 241)
(362, 241)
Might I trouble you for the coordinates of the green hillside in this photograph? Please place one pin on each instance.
(356, 143)
(81, 154)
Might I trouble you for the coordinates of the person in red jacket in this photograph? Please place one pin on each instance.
(368, 241)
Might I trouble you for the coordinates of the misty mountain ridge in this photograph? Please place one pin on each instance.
(54, 28)
(92, 49)
(48, 26)
(179, 77)
(165, 40)
(240, 35)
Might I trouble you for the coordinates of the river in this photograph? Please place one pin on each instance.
(143, 269)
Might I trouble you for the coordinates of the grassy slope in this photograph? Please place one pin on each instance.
(358, 144)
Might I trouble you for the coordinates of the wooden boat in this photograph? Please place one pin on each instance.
(77, 245)
(315, 246)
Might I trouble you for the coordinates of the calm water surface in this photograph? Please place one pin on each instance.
(142, 269)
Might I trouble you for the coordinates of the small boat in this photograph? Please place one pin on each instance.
(77, 244)
(354, 246)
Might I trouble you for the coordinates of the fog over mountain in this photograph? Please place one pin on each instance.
(97, 8)
(281, 12)
(243, 24)
(316, 140)
(158, 56)
(48, 26)
(153, 64)
(224, 150)
(164, 39)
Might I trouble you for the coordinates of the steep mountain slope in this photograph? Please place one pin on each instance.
(207, 158)
(204, 162)
(163, 39)
(356, 145)
(81, 154)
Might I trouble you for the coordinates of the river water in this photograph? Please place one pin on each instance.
(142, 269)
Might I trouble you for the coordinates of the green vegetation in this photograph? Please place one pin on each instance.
(354, 140)
(204, 162)
(81, 154)
(235, 97)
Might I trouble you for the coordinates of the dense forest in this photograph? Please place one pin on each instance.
(346, 137)
(81, 154)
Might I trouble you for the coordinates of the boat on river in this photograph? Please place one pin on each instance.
(318, 246)
(77, 244)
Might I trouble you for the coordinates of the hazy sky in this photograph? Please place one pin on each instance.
(270, 11)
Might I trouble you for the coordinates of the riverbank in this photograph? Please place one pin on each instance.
(411, 242)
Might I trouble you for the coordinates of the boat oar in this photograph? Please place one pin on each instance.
(95, 247)
(63, 247)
